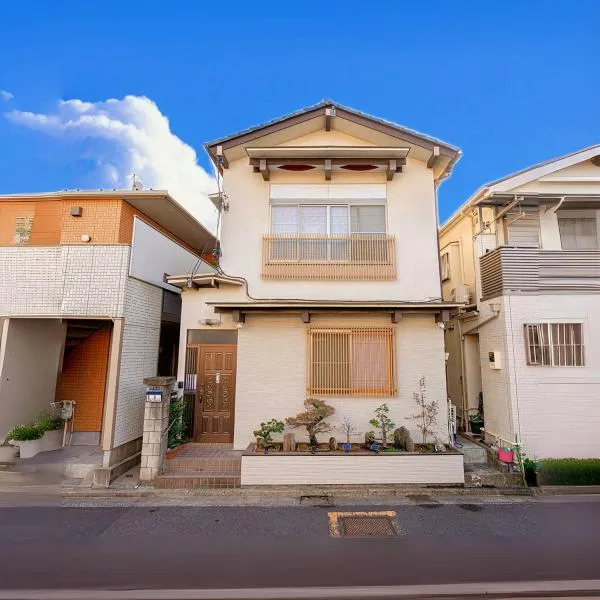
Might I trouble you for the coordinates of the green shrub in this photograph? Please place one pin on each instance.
(48, 422)
(177, 426)
(266, 431)
(24, 433)
(569, 471)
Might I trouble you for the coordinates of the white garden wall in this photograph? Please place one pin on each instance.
(352, 470)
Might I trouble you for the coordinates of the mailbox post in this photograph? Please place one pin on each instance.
(156, 426)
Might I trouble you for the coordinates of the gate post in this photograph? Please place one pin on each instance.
(156, 426)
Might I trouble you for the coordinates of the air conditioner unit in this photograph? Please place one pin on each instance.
(461, 293)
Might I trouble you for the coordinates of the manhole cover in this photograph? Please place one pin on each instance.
(363, 524)
(367, 527)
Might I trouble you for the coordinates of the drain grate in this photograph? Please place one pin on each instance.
(367, 527)
(363, 524)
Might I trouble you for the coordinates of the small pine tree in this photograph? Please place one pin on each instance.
(383, 422)
(313, 418)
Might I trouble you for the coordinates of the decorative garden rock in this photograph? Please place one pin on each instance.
(289, 442)
(369, 438)
(333, 445)
(403, 441)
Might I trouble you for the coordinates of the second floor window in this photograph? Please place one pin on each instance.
(328, 220)
(555, 344)
(578, 233)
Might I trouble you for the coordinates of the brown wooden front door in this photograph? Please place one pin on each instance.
(215, 396)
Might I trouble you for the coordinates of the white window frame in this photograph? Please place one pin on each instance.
(547, 344)
(328, 224)
(445, 266)
(591, 214)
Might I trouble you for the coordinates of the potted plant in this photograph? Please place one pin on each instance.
(476, 422)
(313, 418)
(383, 422)
(347, 427)
(50, 426)
(27, 438)
(530, 470)
(265, 433)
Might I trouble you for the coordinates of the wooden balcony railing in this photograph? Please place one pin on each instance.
(368, 257)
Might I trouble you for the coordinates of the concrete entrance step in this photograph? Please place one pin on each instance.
(473, 453)
(198, 479)
(482, 475)
(203, 464)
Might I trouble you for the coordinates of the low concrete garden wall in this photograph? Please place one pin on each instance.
(296, 468)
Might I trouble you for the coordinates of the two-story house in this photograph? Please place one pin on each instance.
(328, 282)
(523, 254)
(85, 313)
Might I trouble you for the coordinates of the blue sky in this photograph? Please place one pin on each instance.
(511, 83)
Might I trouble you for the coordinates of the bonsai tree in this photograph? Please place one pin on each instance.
(426, 418)
(347, 428)
(383, 422)
(313, 418)
(267, 429)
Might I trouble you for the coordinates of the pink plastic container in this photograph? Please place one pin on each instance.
(506, 456)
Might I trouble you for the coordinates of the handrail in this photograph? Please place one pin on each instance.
(314, 256)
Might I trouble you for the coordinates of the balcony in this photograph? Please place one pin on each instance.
(359, 257)
(512, 270)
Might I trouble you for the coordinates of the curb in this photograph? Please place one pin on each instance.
(567, 490)
(282, 493)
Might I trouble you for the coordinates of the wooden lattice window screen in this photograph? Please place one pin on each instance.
(357, 361)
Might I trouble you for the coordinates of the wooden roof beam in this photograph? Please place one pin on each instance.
(329, 114)
(263, 167)
(393, 168)
(435, 154)
(221, 158)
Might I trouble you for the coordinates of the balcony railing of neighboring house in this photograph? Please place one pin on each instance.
(513, 270)
(329, 257)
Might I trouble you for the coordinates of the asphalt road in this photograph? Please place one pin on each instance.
(141, 547)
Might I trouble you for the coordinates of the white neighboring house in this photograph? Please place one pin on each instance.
(329, 281)
(523, 253)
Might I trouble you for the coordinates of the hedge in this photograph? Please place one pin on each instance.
(569, 471)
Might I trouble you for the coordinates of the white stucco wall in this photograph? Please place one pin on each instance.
(79, 281)
(271, 374)
(153, 254)
(496, 383)
(30, 352)
(411, 218)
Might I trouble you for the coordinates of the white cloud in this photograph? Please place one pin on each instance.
(133, 137)
(6, 95)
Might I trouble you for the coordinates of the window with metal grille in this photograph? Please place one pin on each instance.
(555, 344)
(357, 361)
